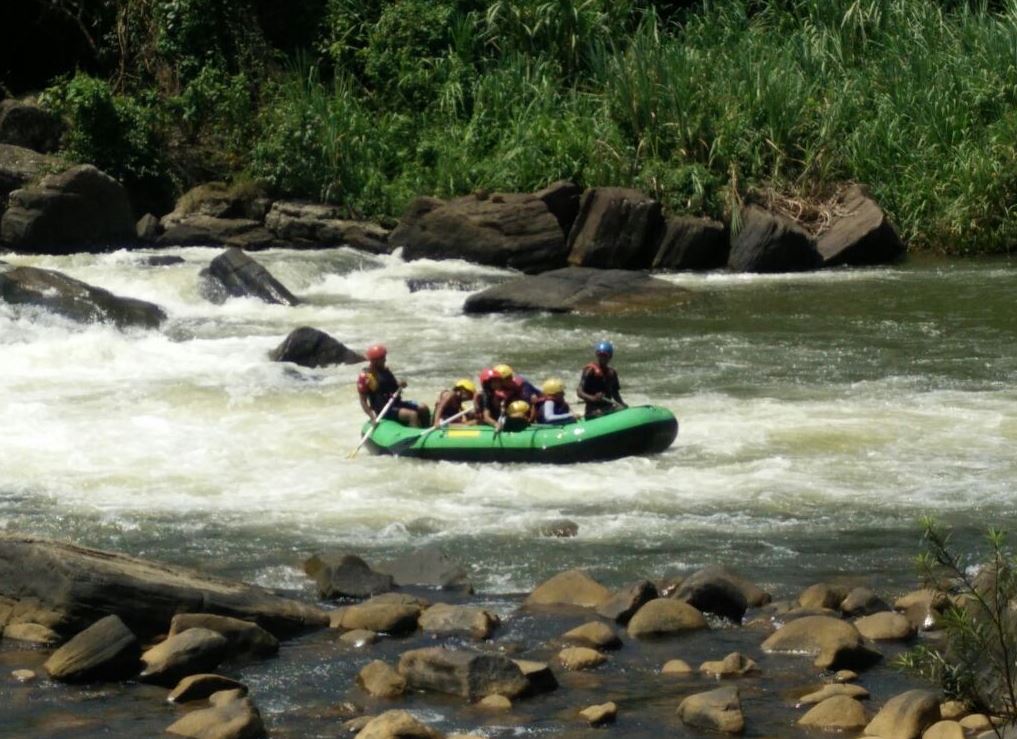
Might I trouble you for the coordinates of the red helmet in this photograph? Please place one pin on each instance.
(486, 375)
(376, 351)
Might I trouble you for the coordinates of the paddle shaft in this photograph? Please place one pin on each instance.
(377, 419)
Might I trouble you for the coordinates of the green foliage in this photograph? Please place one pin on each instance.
(977, 661)
(116, 133)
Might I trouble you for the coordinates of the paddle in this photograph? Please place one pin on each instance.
(402, 445)
(377, 419)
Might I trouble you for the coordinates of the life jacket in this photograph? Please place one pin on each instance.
(596, 379)
(378, 385)
(561, 407)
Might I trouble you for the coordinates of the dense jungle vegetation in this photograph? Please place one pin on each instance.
(368, 103)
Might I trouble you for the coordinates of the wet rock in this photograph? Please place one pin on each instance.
(837, 713)
(32, 634)
(862, 602)
(495, 703)
(24, 676)
(599, 715)
(953, 710)
(79, 301)
(310, 347)
(624, 603)
(428, 566)
(503, 230)
(905, 716)
(664, 617)
(595, 634)
(561, 528)
(358, 638)
(844, 676)
(203, 230)
(388, 617)
(676, 667)
(538, 676)
(944, 730)
(66, 212)
(219, 200)
(187, 653)
(346, 577)
(469, 674)
(24, 123)
(833, 643)
(162, 260)
(231, 715)
(733, 665)
(380, 680)
(716, 710)
(822, 595)
(201, 686)
(721, 591)
(106, 650)
(19, 167)
(443, 618)
(616, 228)
(767, 242)
(356, 725)
(922, 607)
(830, 691)
(692, 244)
(148, 229)
(244, 638)
(578, 290)
(396, 725)
(562, 199)
(860, 233)
(86, 584)
(577, 659)
(885, 626)
(976, 722)
(570, 588)
(234, 274)
(317, 225)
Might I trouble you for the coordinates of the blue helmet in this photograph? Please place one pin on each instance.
(605, 347)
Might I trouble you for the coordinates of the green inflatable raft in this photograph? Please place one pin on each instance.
(631, 431)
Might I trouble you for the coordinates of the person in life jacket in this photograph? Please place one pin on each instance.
(450, 402)
(513, 386)
(517, 415)
(376, 385)
(486, 405)
(598, 385)
(551, 405)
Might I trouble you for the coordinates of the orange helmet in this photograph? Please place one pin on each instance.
(486, 375)
(377, 351)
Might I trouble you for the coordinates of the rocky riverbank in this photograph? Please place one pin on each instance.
(406, 648)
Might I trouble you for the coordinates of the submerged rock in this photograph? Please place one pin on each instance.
(428, 566)
(578, 290)
(346, 577)
(79, 301)
(234, 274)
(84, 584)
(201, 686)
(716, 710)
(833, 643)
(310, 347)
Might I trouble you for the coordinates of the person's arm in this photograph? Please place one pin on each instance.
(367, 407)
(616, 392)
(551, 417)
(439, 407)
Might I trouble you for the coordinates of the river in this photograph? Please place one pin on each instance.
(820, 414)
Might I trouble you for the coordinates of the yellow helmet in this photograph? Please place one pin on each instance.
(553, 386)
(519, 409)
(504, 371)
(466, 384)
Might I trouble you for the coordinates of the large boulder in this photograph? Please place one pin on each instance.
(837, 713)
(860, 233)
(833, 643)
(310, 347)
(66, 212)
(578, 290)
(504, 230)
(316, 225)
(624, 602)
(198, 229)
(562, 199)
(244, 638)
(79, 301)
(716, 710)
(767, 242)
(445, 618)
(905, 716)
(616, 228)
(718, 590)
(347, 576)
(219, 200)
(234, 274)
(190, 652)
(470, 674)
(569, 588)
(86, 584)
(665, 617)
(106, 650)
(19, 167)
(692, 244)
(24, 123)
(380, 614)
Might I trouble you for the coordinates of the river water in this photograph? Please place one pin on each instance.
(820, 416)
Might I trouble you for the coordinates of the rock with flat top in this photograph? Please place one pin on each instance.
(428, 566)
(444, 618)
(244, 638)
(538, 675)
(716, 710)
(466, 673)
(30, 633)
(379, 680)
(885, 626)
(318, 225)
(106, 650)
(188, 653)
(576, 659)
(383, 616)
(231, 715)
(601, 714)
(766, 242)
(833, 643)
(860, 234)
